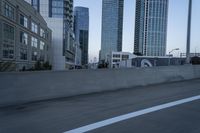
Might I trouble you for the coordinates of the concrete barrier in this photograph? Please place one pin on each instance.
(19, 88)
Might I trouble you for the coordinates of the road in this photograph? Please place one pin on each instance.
(62, 115)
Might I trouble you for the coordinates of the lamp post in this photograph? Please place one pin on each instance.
(189, 32)
(170, 53)
(173, 50)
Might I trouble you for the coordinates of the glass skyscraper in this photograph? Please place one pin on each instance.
(112, 27)
(81, 29)
(151, 27)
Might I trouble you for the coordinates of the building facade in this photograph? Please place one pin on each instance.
(24, 36)
(59, 17)
(81, 28)
(112, 27)
(118, 57)
(191, 55)
(151, 27)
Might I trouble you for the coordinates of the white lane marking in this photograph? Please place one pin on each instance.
(131, 115)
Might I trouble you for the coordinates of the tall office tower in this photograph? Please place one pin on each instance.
(81, 28)
(112, 27)
(151, 27)
(59, 16)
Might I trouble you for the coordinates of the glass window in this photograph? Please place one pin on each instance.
(8, 32)
(116, 60)
(34, 27)
(34, 55)
(8, 53)
(34, 42)
(8, 46)
(36, 4)
(23, 54)
(125, 57)
(23, 21)
(8, 11)
(56, 8)
(23, 37)
(116, 55)
(42, 33)
(42, 45)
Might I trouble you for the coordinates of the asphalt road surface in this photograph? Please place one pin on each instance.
(68, 114)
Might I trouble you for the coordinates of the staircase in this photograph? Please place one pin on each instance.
(7, 66)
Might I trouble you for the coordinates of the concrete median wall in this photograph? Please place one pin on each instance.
(19, 88)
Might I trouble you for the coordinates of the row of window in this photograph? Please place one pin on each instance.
(9, 13)
(34, 55)
(34, 41)
(34, 26)
(9, 35)
(8, 53)
(8, 44)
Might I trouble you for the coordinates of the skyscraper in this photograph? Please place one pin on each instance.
(112, 27)
(81, 28)
(59, 16)
(151, 27)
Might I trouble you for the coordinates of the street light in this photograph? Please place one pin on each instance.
(173, 50)
(189, 32)
(170, 53)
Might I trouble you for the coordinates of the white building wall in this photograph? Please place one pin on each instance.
(78, 55)
(120, 62)
(57, 40)
(56, 25)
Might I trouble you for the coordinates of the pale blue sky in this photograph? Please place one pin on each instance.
(177, 25)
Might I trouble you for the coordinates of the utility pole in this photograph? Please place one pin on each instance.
(189, 32)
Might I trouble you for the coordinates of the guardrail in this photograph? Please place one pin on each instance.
(19, 88)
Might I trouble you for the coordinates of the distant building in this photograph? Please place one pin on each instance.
(129, 60)
(191, 54)
(112, 27)
(150, 61)
(24, 36)
(156, 61)
(151, 27)
(81, 28)
(59, 17)
(117, 57)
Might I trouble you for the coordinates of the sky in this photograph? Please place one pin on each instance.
(177, 26)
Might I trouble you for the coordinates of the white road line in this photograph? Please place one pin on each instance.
(131, 115)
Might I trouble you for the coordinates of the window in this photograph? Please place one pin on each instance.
(56, 8)
(24, 38)
(34, 42)
(42, 45)
(125, 57)
(8, 32)
(8, 43)
(36, 4)
(42, 33)
(116, 61)
(23, 21)
(8, 11)
(34, 55)
(23, 54)
(8, 52)
(34, 27)
(116, 55)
